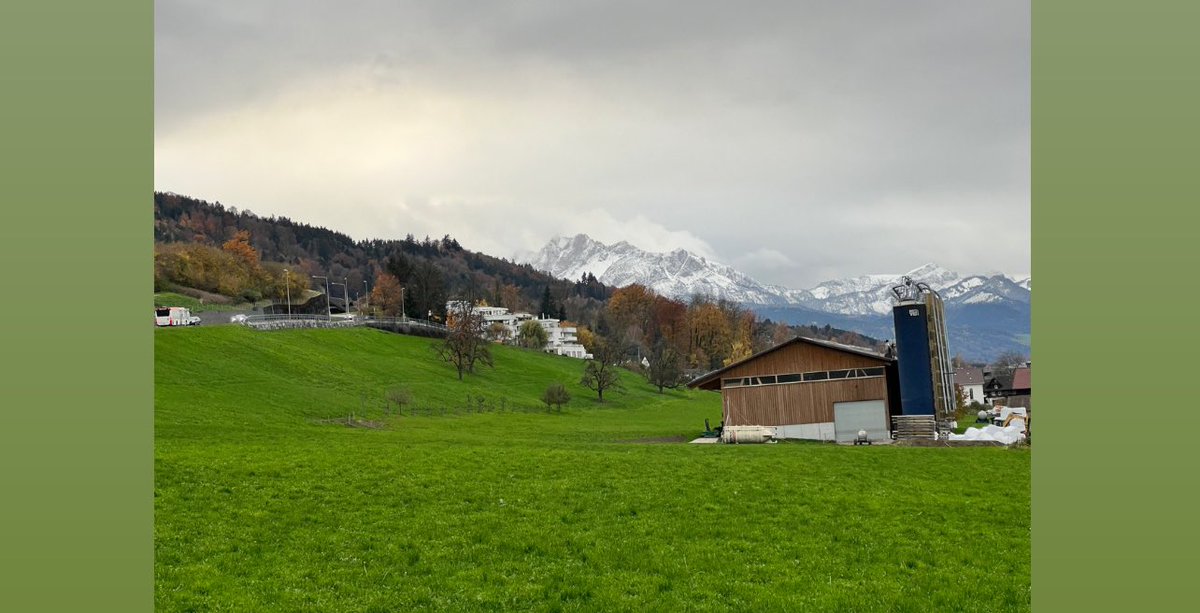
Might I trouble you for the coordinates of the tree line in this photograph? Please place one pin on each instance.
(220, 249)
(669, 337)
(428, 269)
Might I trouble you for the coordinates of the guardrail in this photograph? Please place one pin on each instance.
(403, 325)
(288, 322)
(395, 324)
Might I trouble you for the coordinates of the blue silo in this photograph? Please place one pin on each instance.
(923, 362)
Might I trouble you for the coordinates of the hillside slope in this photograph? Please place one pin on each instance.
(237, 379)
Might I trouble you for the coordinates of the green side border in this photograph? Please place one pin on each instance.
(76, 440)
(1116, 94)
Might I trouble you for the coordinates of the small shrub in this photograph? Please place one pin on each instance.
(401, 396)
(555, 396)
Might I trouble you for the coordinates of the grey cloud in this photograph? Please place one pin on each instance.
(785, 126)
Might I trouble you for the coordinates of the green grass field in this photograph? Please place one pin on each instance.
(264, 504)
(194, 304)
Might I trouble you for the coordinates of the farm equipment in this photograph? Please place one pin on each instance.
(709, 432)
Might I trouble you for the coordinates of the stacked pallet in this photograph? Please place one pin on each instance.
(907, 427)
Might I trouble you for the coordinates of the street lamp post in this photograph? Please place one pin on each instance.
(287, 280)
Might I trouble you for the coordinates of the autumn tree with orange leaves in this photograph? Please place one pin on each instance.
(239, 247)
(386, 295)
(709, 335)
(631, 315)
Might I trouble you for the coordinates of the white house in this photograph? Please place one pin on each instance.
(970, 380)
(560, 340)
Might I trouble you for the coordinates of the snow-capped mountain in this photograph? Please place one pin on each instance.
(681, 274)
(986, 314)
(678, 273)
(876, 297)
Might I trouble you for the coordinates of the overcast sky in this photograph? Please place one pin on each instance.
(797, 141)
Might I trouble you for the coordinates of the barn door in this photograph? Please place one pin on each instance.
(869, 415)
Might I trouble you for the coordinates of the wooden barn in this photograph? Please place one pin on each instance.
(809, 389)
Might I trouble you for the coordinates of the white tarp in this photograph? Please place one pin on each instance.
(1007, 435)
(1006, 411)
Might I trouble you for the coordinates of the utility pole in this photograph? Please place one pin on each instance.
(403, 315)
(287, 276)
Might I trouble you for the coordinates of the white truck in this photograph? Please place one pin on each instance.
(174, 316)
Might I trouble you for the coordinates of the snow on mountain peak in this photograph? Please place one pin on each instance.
(682, 274)
(678, 273)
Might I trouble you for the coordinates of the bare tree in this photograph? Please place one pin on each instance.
(464, 344)
(600, 372)
(666, 366)
(1005, 363)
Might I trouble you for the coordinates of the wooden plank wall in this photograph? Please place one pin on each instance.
(801, 357)
(796, 403)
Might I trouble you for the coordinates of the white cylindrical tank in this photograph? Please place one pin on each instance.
(747, 434)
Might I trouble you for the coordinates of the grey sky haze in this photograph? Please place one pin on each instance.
(797, 141)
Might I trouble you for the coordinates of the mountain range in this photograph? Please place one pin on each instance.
(986, 314)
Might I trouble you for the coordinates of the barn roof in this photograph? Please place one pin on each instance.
(710, 376)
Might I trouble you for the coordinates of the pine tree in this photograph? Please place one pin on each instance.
(546, 309)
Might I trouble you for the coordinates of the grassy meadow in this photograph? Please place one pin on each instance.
(196, 305)
(265, 500)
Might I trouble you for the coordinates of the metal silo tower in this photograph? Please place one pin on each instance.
(923, 358)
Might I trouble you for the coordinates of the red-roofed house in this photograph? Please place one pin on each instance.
(1022, 387)
(1021, 379)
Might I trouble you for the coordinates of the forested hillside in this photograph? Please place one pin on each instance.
(430, 270)
(213, 248)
